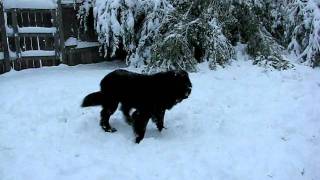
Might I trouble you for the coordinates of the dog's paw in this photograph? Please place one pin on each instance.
(138, 139)
(160, 128)
(109, 129)
(112, 130)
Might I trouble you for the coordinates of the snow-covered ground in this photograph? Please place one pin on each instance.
(240, 123)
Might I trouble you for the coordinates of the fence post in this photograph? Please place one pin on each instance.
(16, 33)
(56, 34)
(59, 25)
(4, 38)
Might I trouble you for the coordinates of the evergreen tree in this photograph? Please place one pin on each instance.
(303, 30)
(189, 35)
(178, 34)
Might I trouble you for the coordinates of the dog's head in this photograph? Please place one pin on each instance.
(182, 85)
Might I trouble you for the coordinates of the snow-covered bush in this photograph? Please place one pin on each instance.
(115, 24)
(272, 62)
(294, 24)
(177, 34)
(256, 24)
(189, 35)
(148, 23)
(83, 13)
(127, 24)
(159, 34)
(303, 30)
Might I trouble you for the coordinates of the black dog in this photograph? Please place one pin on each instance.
(142, 97)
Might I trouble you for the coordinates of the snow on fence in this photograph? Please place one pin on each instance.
(32, 36)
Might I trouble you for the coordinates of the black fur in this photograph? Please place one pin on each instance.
(93, 99)
(142, 97)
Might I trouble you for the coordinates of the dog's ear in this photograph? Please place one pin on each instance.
(178, 72)
(172, 73)
(181, 73)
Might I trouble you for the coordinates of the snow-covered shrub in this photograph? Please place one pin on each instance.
(170, 34)
(115, 24)
(126, 24)
(83, 13)
(267, 52)
(220, 49)
(303, 30)
(148, 22)
(242, 24)
(294, 24)
(173, 52)
(255, 24)
(190, 37)
(263, 43)
(171, 48)
(159, 34)
(272, 62)
(271, 15)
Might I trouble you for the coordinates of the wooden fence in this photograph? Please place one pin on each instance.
(32, 38)
(4, 51)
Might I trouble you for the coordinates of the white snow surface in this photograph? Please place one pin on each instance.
(70, 1)
(11, 54)
(37, 29)
(240, 123)
(86, 44)
(30, 4)
(37, 53)
(71, 41)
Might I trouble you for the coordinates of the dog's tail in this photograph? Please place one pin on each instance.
(93, 99)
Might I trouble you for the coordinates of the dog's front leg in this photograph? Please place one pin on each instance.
(140, 124)
(104, 122)
(158, 118)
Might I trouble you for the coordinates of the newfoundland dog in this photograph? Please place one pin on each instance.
(141, 96)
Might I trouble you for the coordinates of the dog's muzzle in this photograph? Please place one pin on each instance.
(188, 92)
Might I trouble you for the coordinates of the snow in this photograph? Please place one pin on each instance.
(85, 44)
(30, 4)
(304, 15)
(37, 30)
(240, 123)
(71, 41)
(12, 54)
(113, 28)
(1, 55)
(37, 53)
(9, 30)
(70, 1)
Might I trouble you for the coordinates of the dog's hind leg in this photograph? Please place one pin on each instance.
(140, 124)
(106, 112)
